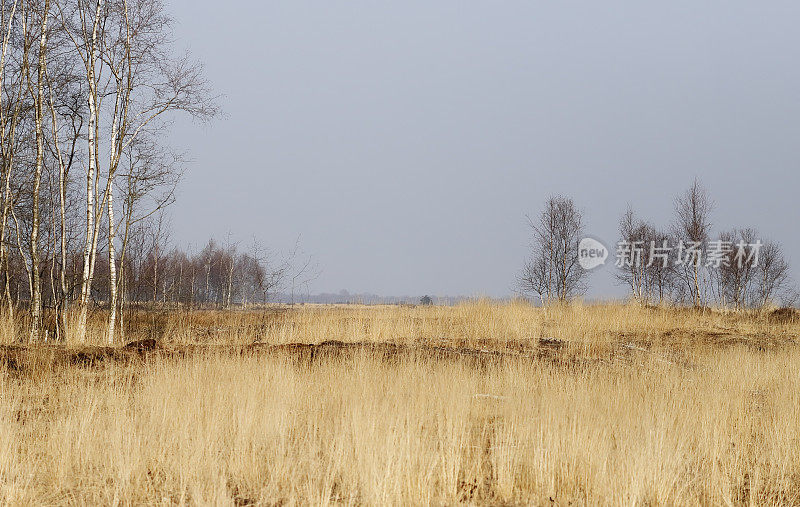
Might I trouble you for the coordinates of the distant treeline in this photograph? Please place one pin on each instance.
(345, 297)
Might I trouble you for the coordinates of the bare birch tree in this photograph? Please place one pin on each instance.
(553, 272)
(692, 228)
(38, 97)
(734, 279)
(648, 270)
(773, 277)
(9, 118)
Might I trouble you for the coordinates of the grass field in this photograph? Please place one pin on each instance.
(478, 404)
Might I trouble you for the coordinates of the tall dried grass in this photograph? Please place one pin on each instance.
(473, 324)
(722, 427)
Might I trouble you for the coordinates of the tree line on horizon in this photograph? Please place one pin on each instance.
(553, 272)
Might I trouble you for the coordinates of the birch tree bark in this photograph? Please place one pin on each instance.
(8, 122)
(90, 245)
(36, 286)
(64, 166)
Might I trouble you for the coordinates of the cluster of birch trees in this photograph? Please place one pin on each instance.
(748, 272)
(654, 264)
(87, 89)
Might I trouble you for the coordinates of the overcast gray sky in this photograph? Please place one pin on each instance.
(405, 141)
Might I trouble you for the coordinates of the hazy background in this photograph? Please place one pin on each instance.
(405, 142)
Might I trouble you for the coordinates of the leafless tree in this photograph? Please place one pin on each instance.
(647, 266)
(553, 272)
(41, 13)
(633, 235)
(302, 267)
(692, 228)
(772, 277)
(734, 279)
(11, 91)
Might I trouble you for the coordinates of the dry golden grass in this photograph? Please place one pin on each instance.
(639, 406)
(466, 324)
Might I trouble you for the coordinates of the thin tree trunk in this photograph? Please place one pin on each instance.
(36, 288)
(122, 299)
(90, 247)
(112, 269)
(7, 158)
(155, 275)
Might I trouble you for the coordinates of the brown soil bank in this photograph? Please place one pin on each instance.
(28, 359)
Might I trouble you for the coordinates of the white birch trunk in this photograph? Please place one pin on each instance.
(7, 160)
(90, 247)
(112, 269)
(36, 288)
